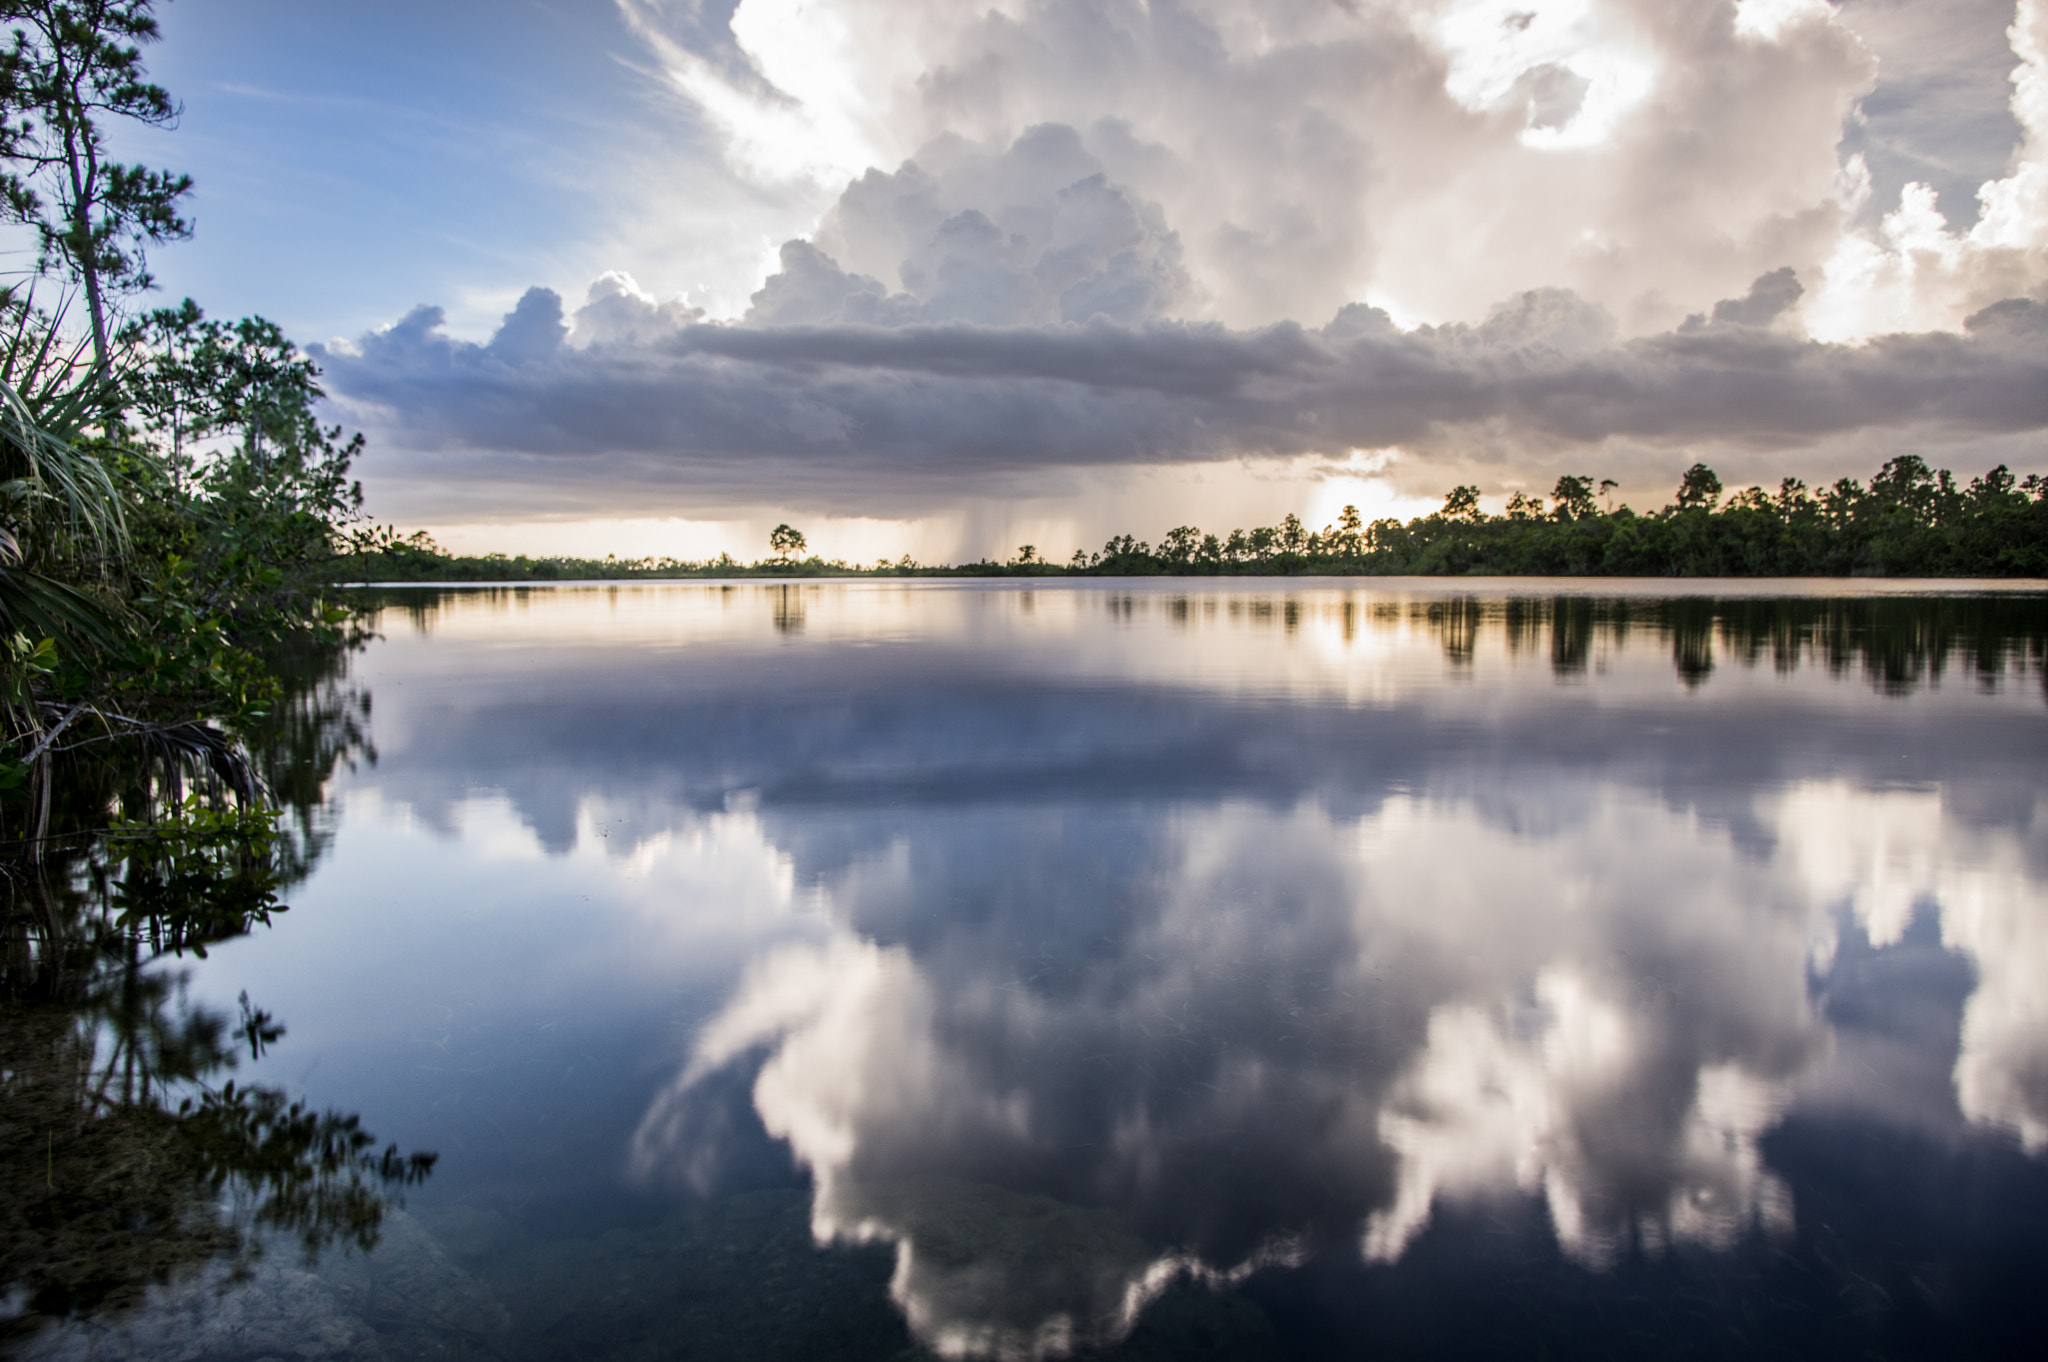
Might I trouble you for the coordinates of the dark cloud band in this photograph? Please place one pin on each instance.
(889, 415)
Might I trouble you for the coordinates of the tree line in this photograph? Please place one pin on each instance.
(1908, 520)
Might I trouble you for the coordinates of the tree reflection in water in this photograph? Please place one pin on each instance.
(1899, 642)
(129, 1155)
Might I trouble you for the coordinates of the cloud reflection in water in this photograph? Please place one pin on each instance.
(1306, 1029)
(1158, 935)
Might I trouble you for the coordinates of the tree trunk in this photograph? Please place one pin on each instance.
(81, 164)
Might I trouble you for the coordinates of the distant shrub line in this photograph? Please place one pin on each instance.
(1909, 521)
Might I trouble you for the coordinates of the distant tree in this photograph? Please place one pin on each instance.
(1574, 498)
(1180, 544)
(1027, 553)
(1522, 507)
(1124, 547)
(1907, 481)
(1607, 486)
(1293, 538)
(785, 541)
(71, 64)
(1700, 488)
(1462, 504)
(1348, 538)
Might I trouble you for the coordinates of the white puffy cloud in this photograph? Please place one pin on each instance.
(1330, 1026)
(1032, 235)
(617, 311)
(1941, 113)
(1434, 157)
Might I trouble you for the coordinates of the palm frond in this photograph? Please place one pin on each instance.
(42, 607)
(50, 396)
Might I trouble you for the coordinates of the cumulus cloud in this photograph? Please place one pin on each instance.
(1888, 856)
(617, 311)
(1437, 156)
(1085, 236)
(1034, 234)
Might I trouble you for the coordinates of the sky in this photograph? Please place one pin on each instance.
(650, 276)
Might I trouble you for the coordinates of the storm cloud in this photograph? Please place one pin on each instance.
(863, 416)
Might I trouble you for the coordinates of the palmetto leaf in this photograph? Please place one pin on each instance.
(50, 396)
(42, 607)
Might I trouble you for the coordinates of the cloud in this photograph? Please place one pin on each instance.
(617, 311)
(1941, 111)
(1072, 237)
(1438, 155)
(1433, 157)
(875, 408)
(1916, 271)
(1033, 234)
(531, 331)
(1887, 856)
(1768, 299)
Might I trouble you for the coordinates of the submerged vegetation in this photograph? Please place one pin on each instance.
(1909, 521)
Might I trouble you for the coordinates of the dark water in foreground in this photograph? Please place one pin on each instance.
(855, 970)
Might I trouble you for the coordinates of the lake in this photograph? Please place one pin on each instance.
(1245, 968)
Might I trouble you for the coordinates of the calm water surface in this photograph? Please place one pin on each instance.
(872, 970)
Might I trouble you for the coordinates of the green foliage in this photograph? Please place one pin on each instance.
(236, 506)
(55, 489)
